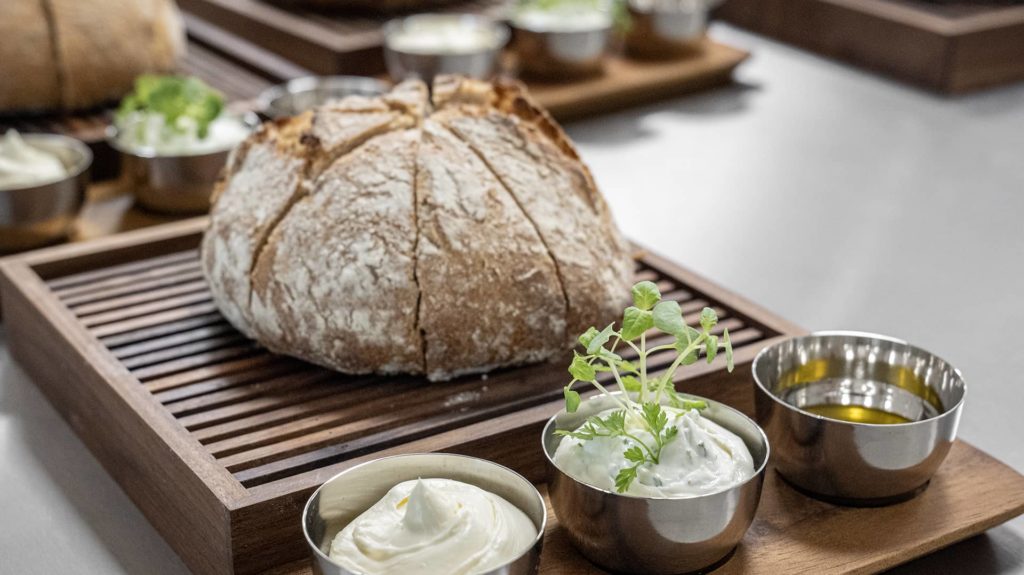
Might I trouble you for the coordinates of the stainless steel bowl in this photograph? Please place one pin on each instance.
(172, 184)
(648, 535)
(560, 54)
(404, 61)
(870, 377)
(346, 495)
(667, 28)
(33, 216)
(301, 94)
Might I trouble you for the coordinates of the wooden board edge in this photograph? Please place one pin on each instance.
(70, 258)
(147, 453)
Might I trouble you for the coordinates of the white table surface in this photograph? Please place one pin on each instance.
(834, 197)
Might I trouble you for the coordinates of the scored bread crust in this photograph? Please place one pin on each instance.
(386, 235)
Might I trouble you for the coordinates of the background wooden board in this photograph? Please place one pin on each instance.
(951, 47)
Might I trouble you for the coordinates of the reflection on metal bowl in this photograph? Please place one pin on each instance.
(857, 418)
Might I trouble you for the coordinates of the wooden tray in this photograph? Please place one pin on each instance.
(220, 443)
(951, 47)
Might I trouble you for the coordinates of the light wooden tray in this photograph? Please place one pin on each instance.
(220, 443)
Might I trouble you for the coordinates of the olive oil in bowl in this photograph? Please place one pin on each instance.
(884, 397)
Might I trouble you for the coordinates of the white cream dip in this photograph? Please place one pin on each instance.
(434, 526)
(563, 19)
(703, 458)
(148, 132)
(23, 165)
(443, 36)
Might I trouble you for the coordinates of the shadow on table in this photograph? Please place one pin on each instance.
(119, 528)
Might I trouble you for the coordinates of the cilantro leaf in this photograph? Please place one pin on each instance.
(625, 478)
(635, 454)
(174, 98)
(712, 347)
(572, 400)
(728, 351)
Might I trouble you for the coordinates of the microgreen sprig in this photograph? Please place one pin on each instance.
(648, 313)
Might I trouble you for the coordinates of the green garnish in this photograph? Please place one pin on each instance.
(174, 97)
(647, 313)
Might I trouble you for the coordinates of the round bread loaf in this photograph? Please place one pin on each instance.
(403, 235)
(75, 54)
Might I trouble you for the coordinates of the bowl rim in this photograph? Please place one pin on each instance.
(81, 164)
(269, 96)
(758, 471)
(947, 411)
(541, 529)
(501, 30)
(249, 119)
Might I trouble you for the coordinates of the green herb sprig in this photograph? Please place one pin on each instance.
(647, 313)
(174, 97)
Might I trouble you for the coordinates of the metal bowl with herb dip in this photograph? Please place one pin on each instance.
(174, 136)
(857, 418)
(42, 187)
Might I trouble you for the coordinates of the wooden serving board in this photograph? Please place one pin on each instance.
(335, 43)
(220, 443)
(950, 47)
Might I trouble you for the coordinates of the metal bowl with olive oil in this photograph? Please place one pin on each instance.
(857, 418)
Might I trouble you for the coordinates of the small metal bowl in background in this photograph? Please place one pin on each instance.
(346, 495)
(857, 463)
(649, 535)
(665, 29)
(37, 215)
(172, 184)
(560, 54)
(409, 61)
(301, 94)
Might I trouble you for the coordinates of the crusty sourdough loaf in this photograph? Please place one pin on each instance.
(407, 235)
(75, 54)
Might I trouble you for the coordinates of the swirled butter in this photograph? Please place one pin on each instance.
(434, 526)
(703, 458)
(23, 165)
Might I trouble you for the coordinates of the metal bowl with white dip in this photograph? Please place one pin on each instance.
(562, 42)
(427, 45)
(300, 94)
(42, 187)
(421, 513)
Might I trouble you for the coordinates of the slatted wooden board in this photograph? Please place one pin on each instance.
(220, 443)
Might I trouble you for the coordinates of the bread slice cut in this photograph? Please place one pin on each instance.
(490, 293)
(27, 57)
